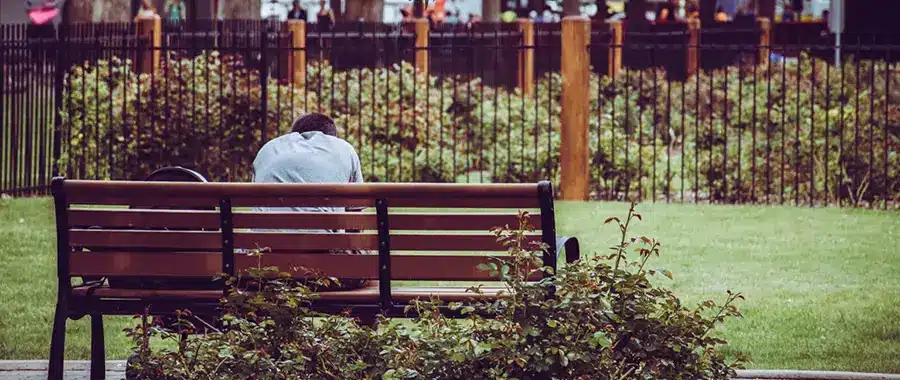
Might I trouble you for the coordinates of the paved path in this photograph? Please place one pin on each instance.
(115, 370)
(75, 370)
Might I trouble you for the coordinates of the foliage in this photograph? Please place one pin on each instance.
(599, 318)
(762, 133)
(773, 132)
(203, 112)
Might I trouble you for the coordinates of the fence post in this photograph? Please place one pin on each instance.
(149, 28)
(422, 32)
(574, 149)
(526, 56)
(765, 39)
(616, 38)
(692, 55)
(294, 55)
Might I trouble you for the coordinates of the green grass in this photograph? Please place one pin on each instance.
(822, 285)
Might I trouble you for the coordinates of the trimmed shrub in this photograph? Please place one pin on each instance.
(767, 133)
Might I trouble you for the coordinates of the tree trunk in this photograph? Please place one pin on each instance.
(112, 10)
(707, 12)
(367, 10)
(635, 13)
(75, 11)
(337, 9)
(96, 11)
(766, 9)
(490, 10)
(571, 7)
(240, 9)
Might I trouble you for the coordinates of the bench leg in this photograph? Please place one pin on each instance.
(98, 354)
(57, 344)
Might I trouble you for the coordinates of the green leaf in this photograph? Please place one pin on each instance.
(599, 339)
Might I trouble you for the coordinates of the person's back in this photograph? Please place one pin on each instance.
(311, 153)
(307, 155)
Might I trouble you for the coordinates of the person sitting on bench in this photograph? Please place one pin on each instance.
(310, 153)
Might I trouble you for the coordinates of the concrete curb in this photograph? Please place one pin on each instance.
(115, 369)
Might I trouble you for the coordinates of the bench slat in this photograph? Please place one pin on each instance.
(176, 240)
(262, 190)
(424, 200)
(188, 219)
(211, 240)
(366, 221)
(198, 264)
(364, 295)
(202, 219)
(399, 242)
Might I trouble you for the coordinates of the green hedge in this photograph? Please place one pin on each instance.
(740, 134)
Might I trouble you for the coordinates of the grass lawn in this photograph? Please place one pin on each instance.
(822, 285)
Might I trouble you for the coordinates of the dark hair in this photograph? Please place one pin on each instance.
(314, 122)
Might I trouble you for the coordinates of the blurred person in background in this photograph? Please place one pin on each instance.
(297, 12)
(325, 16)
(175, 11)
(666, 13)
(452, 18)
(721, 16)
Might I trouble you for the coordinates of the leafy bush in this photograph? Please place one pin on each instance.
(761, 133)
(750, 133)
(599, 318)
(203, 113)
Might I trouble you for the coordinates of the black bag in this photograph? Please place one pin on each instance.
(168, 174)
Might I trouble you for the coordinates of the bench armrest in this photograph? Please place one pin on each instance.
(570, 246)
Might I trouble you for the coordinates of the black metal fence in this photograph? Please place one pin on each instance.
(756, 124)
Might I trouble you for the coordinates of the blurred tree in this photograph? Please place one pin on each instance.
(766, 9)
(366, 10)
(635, 13)
(240, 9)
(707, 12)
(96, 10)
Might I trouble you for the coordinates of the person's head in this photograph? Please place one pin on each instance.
(298, 4)
(692, 8)
(312, 122)
(323, 4)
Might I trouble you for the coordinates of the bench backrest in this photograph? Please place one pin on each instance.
(408, 225)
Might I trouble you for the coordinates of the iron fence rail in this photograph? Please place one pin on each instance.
(754, 124)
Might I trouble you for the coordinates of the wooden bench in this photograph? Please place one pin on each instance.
(99, 236)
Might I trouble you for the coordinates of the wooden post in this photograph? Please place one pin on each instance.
(149, 29)
(616, 38)
(692, 55)
(575, 174)
(765, 40)
(294, 53)
(422, 31)
(526, 56)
